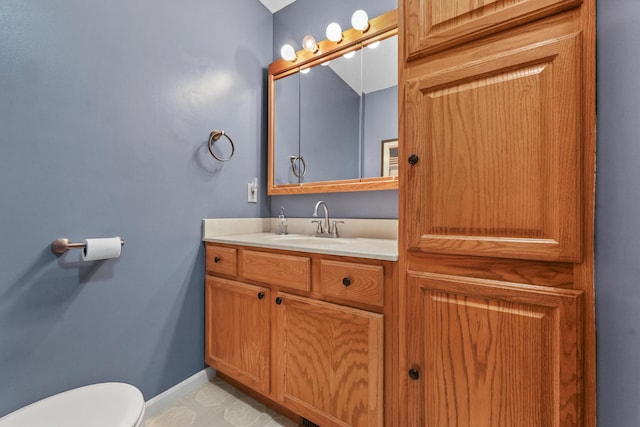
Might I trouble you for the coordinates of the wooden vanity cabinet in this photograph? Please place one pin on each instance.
(240, 343)
(306, 331)
(330, 361)
(497, 131)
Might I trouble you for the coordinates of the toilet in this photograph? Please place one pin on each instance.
(97, 405)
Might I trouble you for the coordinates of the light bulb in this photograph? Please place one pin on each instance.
(309, 44)
(305, 70)
(288, 52)
(334, 32)
(349, 54)
(374, 45)
(360, 20)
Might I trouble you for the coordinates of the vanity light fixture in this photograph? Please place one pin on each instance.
(305, 70)
(288, 53)
(334, 32)
(309, 44)
(374, 45)
(360, 20)
(349, 55)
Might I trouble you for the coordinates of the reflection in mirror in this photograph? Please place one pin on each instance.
(287, 127)
(380, 108)
(330, 117)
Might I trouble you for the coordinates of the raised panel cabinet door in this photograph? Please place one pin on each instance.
(237, 340)
(497, 139)
(489, 354)
(433, 25)
(330, 362)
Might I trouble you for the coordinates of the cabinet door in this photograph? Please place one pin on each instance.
(488, 354)
(497, 137)
(330, 361)
(432, 25)
(238, 331)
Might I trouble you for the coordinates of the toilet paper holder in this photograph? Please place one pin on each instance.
(62, 245)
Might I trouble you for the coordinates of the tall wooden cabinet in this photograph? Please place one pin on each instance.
(497, 128)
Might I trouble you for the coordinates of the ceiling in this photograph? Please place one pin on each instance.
(275, 5)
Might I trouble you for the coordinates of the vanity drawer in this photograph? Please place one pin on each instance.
(222, 260)
(350, 281)
(287, 271)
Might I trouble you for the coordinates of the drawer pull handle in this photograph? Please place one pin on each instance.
(346, 281)
(413, 159)
(278, 300)
(414, 374)
(260, 295)
(217, 259)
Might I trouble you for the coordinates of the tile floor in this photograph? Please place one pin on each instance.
(217, 404)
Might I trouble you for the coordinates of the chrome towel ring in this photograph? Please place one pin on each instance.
(213, 137)
(297, 171)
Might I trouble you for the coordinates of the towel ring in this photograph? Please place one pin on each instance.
(213, 137)
(296, 170)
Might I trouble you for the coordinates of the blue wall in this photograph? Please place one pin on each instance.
(105, 111)
(290, 25)
(618, 214)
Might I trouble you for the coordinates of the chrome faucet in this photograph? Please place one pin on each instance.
(325, 229)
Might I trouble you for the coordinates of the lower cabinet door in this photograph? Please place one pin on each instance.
(238, 331)
(329, 362)
(489, 354)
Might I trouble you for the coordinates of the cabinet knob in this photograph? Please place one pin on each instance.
(414, 374)
(346, 281)
(260, 295)
(413, 159)
(278, 300)
(217, 259)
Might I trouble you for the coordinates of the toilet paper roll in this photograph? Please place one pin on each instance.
(103, 248)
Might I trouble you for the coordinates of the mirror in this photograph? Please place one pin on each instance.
(333, 115)
(308, 149)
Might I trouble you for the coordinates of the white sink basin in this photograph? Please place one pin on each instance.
(305, 240)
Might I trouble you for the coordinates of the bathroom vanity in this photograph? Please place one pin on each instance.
(305, 322)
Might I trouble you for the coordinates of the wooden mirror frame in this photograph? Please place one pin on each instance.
(381, 27)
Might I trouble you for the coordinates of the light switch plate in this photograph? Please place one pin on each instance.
(252, 193)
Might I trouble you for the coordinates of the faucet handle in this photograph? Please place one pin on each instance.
(319, 229)
(335, 228)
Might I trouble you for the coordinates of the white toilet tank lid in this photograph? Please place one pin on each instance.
(96, 405)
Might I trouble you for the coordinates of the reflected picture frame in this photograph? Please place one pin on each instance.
(389, 157)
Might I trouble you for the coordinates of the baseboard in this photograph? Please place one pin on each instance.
(167, 398)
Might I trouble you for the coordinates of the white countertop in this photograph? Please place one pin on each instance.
(361, 238)
(384, 249)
